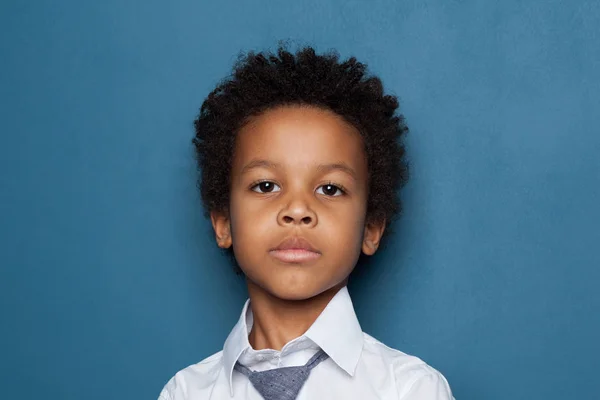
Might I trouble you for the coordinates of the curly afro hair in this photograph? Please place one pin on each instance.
(265, 80)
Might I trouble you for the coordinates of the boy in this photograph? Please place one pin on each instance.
(301, 161)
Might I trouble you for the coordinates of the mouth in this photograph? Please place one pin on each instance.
(295, 250)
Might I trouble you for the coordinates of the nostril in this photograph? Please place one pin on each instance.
(307, 220)
(287, 219)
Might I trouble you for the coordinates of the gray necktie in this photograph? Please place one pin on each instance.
(281, 383)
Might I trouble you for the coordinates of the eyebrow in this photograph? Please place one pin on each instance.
(323, 168)
(338, 167)
(259, 164)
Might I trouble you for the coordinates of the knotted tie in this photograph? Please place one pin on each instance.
(281, 383)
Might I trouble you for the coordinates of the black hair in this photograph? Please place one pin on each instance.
(265, 80)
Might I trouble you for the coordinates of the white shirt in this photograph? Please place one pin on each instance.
(359, 366)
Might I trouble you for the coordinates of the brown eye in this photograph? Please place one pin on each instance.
(265, 187)
(330, 190)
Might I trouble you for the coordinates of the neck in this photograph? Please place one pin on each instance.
(278, 321)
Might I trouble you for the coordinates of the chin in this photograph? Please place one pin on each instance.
(294, 294)
(292, 283)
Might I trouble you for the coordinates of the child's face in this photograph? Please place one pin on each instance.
(298, 201)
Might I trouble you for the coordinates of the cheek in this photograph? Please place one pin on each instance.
(248, 222)
(344, 227)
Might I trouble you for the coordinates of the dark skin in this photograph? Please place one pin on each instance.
(297, 216)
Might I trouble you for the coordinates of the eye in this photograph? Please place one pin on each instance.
(265, 187)
(330, 190)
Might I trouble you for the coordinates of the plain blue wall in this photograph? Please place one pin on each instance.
(110, 281)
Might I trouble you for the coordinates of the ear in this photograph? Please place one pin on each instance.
(372, 237)
(222, 226)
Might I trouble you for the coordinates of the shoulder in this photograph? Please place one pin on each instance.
(195, 378)
(414, 378)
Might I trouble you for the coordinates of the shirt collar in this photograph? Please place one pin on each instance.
(236, 343)
(336, 331)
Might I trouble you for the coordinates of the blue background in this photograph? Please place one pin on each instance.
(110, 281)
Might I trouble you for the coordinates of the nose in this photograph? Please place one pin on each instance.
(297, 212)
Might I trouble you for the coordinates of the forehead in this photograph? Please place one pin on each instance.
(300, 136)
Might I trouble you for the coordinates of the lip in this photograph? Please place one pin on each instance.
(295, 250)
